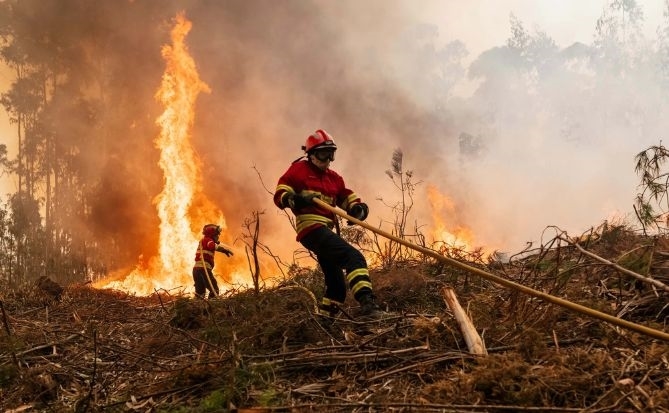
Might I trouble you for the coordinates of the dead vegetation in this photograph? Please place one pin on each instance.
(93, 350)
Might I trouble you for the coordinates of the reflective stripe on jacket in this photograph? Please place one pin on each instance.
(206, 247)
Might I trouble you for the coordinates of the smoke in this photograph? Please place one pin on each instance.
(520, 136)
(540, 140)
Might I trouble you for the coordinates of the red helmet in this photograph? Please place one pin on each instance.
(318, 140)
(211, 230)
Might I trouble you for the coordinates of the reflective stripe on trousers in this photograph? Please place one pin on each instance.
(334, 254)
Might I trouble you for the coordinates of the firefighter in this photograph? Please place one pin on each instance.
(309, 178)
(203, 270)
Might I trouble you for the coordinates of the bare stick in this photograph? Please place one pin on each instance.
(648, 280)
(9, 331)
(472, 337)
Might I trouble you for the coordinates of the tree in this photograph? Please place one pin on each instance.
(663, 46)
(72, 118)
(27, 237)
(619, 37)
(434, 70)
(515, 71)
(537, 52)
(8, 253)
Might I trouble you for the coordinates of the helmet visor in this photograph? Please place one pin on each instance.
(325, 154)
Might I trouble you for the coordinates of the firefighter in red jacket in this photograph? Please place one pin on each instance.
(203, 270)
(309, 178)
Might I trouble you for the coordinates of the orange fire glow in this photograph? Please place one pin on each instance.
(454, 236)
(180, 226)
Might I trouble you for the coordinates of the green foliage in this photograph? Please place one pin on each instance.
(638, 261)
(309, 278)
(7, 246)
(235, 392)
(26, 218)
(8, 374)
(181, 409)
(215, 401)
(652, 201)
(22, 239)
(269, 397)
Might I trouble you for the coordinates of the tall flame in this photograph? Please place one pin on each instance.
(182, 176)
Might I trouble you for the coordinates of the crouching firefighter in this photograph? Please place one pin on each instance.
(309, 178)
(203, 270)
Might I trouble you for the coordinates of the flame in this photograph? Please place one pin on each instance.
(178, 91)
(455, 236)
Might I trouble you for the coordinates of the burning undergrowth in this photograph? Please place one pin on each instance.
(103, 350)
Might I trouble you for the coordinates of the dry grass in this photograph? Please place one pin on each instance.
(98, 350)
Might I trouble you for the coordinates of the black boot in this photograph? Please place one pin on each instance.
(369, 308)
(328, 310)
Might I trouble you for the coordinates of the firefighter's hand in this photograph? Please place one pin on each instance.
(359, 212)
(298, 201)
(224, 251)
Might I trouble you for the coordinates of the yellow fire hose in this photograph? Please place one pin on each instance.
(496, 279)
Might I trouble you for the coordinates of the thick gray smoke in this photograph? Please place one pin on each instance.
(544, 134)
(547, 136)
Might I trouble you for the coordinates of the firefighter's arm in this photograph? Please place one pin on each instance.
(225, 250)
(285, 197)
(285, 189)
(291, 191)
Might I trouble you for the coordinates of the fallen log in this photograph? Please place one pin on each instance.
(472, 337)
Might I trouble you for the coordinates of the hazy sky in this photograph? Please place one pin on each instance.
(481, 23)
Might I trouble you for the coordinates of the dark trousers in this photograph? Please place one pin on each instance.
(200, 276)
(335, 255)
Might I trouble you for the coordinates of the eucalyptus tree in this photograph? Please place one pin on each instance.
(619, 43)
(52, 108)
(663, 47)
(82, 102)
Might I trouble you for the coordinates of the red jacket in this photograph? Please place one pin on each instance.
(205, 251)
(303, 177)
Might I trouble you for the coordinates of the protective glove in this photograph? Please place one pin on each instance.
(298, 201)
(224, 250)
(359, 212)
